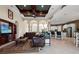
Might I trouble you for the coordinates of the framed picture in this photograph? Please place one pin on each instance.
(10, 14)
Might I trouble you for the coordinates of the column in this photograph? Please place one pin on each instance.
(61, 27)
(48, 26)
(37, 26)
(29, 26)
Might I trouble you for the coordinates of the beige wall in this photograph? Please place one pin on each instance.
(16, 17)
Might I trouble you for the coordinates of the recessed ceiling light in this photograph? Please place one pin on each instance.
(33, 15)
(42, 6)
(25, 5)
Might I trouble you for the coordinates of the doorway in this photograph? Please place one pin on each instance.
(69, 32)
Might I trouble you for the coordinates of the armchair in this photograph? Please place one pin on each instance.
(47, 36)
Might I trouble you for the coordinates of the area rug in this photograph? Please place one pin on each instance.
(20, 48)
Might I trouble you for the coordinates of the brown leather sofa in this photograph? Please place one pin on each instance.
(30, 35)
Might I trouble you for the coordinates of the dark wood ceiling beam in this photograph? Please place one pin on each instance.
(42, 11)
(24, 10)
(34, 9)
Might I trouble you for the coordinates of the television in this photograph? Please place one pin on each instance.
(5, 28)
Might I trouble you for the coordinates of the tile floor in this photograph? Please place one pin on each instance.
(65, 46)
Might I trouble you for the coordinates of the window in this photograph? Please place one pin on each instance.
(43, 25)
(34, 27)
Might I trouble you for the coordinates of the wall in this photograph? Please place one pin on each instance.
(56, 27)
(77, 25)
(16, 17)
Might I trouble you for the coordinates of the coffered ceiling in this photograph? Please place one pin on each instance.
(33, 10)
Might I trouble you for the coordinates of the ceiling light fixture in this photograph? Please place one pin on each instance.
(33, 15)
(42, 6)
(24, 5)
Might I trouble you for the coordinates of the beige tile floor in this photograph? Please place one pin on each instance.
(65, 46)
